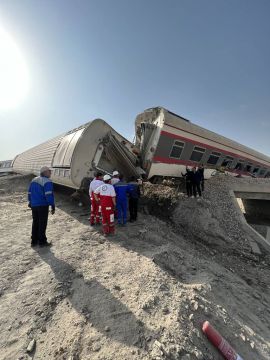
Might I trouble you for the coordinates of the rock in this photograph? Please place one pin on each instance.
(107, 329)
(96, 347)
(31, 346)
(186, 357)
(116, 287)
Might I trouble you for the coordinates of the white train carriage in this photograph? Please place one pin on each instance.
(5, 167)
(168, 143)
(77, 154)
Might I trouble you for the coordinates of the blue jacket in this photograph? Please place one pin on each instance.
(121, 189)
(134, 190)
(40, 192)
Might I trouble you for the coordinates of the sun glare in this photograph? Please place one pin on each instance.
(14, 77)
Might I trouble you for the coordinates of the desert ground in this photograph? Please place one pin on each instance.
(142, 294)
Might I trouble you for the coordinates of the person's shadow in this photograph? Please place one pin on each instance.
(90, 298)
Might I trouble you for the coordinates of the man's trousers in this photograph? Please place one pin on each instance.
(39, 225)
(107, 219)
(121, 206)
(95, 212)
(133, 209)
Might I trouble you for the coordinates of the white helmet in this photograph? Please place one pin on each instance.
(115, 173)
(106, 177)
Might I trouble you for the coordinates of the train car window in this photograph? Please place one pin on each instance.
(213, 158)
(239, 165)
(177, 149)
(227, 162)
(255, 170)
(262, 172)
(248, 167)
(56, 172)
(197, 153)
(66, 173)
(268, 175)
(61, 172)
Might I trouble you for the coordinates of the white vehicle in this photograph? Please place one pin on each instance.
(5, 167)
(77, 154)
(168, 143)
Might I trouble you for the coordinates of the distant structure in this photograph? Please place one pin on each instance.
(165, 143)
(6, 167)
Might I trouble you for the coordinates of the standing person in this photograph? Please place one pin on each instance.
(115, 178)
(196, 182)
(121, 190)
(134, 195)
(201, 171)
(40, 197)
(95, 206)
(189, 177)
(105, 194)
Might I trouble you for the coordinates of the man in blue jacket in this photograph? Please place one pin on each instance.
(40, 197)
(121, 190)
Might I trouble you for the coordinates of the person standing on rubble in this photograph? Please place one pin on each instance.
(196, 182)
(40, 197)
(201, 171)
(121, 190)
(105, 195)
(115, 178)
(95, 206)
(188, 176)
(134, 195)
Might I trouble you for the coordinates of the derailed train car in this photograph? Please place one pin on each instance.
(168, 143)
(77, 154)
(165, 144)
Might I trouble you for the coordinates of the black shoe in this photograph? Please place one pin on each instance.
(33, 244)
(46, 244)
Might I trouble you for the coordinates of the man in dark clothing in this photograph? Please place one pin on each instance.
(196, 182)
(188, 176)
(40, 197)
(201, 171)
(134, 195)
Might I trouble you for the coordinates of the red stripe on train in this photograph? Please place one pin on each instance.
(163, 160)
(174, 136)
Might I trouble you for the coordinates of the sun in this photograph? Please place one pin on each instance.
(14, 76)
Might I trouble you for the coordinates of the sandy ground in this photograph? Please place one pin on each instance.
(142, 294)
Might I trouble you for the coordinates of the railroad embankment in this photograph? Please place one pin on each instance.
(142, 294)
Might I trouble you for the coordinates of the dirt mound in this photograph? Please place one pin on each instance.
(142, 294)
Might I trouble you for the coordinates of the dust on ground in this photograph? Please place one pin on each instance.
(142, 294)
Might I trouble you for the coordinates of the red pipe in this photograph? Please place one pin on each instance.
(219, 342)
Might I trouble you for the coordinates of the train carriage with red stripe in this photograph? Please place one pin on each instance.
(168, 143)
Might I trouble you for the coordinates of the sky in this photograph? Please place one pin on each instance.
(206, 60)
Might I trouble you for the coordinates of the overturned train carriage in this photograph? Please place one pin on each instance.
(168, 143)
(77, 154)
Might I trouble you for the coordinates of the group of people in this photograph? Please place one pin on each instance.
(109, 197)
(194, 181)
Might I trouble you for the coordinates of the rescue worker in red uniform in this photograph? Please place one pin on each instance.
(95, 206)
(106, 195)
